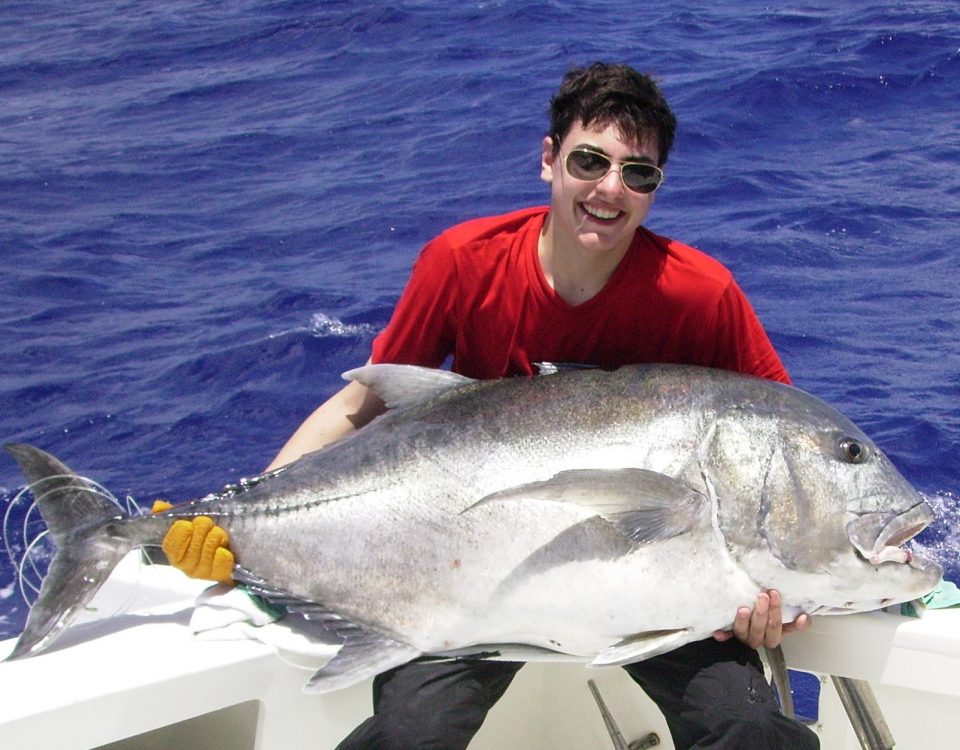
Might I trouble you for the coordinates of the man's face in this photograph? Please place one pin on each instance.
(598, 216)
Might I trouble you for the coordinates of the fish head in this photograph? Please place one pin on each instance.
(809, 504)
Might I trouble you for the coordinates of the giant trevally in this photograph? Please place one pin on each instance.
(608, 516)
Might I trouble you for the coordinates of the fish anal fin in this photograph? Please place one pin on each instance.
(504, 652)
(641, 646)
(645, 506)
(362, 656)
(363, 651)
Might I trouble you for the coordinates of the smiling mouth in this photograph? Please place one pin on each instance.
(605, 215)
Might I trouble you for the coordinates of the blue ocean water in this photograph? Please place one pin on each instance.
(207, 210)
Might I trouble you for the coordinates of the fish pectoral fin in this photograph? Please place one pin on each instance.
(640, 646)
(644, 505)
(404, 385)
(361, 656)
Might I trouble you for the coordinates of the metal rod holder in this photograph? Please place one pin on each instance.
(864, 713)
(619, 743)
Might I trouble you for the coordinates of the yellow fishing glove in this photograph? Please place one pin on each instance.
(198, 547)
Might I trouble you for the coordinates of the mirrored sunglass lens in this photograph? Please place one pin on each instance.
(585, 165)
(644, 178)
(588, 165)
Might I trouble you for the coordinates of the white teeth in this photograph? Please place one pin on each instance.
(600, 213)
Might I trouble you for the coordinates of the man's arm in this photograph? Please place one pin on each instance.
(347, 410)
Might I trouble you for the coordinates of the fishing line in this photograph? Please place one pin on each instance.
(21, 576)
(7, 536)
(28, 568)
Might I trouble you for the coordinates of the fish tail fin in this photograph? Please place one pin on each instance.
(78, 515)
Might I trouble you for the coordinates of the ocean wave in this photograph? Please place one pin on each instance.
(941, 541)
(323, 326)
(180, 191)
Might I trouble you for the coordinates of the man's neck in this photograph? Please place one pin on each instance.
(575, 274)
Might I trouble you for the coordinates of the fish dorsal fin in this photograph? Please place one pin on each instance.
(640, 646)
(552, 368)
(403, 385)
(644, 505)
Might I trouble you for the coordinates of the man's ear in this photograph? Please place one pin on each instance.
(547, 159)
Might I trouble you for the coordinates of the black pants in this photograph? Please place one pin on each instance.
(712, 694)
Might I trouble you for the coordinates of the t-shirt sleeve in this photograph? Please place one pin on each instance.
(422, 328)
(742, 343)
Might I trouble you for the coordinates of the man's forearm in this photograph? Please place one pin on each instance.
(347, 410)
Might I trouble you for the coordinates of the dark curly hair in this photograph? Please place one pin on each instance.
(604, 94)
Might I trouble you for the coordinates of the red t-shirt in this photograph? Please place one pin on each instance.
(477, 293)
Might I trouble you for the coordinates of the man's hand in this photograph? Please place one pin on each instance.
(198, 547)
(763, 626)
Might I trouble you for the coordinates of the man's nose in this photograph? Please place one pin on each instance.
(612, 181)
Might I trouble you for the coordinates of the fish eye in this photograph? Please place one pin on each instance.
(853, 450)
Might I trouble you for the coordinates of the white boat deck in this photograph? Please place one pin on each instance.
(143, 681)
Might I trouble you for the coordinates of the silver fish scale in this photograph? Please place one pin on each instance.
(380, 523)
(610, 516)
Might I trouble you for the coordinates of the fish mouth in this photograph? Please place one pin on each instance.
(878, 537)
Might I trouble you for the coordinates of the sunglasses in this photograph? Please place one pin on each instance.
(590, 166)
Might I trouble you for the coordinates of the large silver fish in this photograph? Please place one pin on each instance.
(610, 516)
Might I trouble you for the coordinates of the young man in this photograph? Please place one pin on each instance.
(581, 281)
